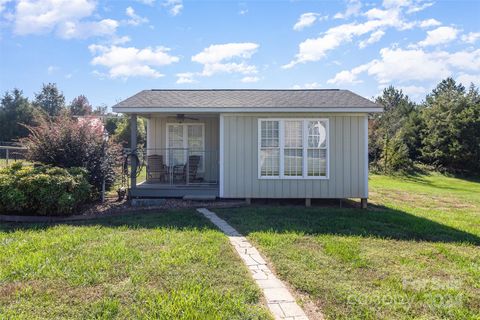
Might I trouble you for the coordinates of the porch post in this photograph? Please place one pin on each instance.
(133, 150)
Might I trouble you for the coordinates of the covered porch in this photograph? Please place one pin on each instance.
(181, 156)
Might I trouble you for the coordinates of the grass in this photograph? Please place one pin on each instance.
(3, 162)
(414, 254)
(173, 265)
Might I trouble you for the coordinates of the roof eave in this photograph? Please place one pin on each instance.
(368, 109)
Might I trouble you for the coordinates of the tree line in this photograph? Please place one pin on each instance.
(442, 132)
(18, 114)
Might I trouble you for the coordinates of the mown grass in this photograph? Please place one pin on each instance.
(414, 254)
(173, 265)
(3, 162)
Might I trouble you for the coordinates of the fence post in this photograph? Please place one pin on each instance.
(188, 167)
(103, 190)
(133, 151)
(7, 154)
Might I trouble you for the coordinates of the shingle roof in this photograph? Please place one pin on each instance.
(248, 99)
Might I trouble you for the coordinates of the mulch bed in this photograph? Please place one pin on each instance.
(112, 207)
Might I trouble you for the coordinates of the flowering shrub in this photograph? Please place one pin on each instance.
(42, 190)
(67, 143)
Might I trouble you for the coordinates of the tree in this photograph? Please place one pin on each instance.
(385, 128)
(101, 110)
(80, 106)
(451, 137)
(111, 123)
(15, 112)
(410, 133)
(122, 132)
(50, 100)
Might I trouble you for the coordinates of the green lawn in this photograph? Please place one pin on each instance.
(3, 162)
(414, 254)
(173, 265)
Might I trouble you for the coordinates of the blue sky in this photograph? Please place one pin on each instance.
(109, 50)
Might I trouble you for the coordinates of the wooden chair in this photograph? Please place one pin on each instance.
(180, 171)
(156, 169)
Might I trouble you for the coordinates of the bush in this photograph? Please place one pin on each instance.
(67, 143)
(42, 190)
(123, 132)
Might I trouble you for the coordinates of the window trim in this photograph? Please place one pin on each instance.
(185, 125)
(305, 149)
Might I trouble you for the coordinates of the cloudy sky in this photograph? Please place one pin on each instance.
(109, 50)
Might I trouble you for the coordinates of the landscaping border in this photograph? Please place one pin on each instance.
(114, 212)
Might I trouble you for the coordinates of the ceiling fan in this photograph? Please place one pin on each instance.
(182, 117)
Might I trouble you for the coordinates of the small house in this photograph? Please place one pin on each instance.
(252, 143)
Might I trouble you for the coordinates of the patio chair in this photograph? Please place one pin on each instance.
(180, 171)
(156, 169)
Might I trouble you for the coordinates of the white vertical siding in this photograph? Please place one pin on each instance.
(347, 160)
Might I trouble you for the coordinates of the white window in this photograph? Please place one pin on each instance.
(269, 148)
(185, 139)
(293, 148)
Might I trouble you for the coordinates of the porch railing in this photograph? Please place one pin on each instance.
(180, 166)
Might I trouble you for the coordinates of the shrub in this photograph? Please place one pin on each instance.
(122, 132)
(67, 143)
(42, 189)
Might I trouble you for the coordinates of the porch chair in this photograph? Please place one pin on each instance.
(180, 171)
(156, 169)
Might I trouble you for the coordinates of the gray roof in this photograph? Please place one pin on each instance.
(244, 99)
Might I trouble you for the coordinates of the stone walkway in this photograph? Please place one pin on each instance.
(279, 300)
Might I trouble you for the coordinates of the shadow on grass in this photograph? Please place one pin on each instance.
(377, 221)
(175, 219)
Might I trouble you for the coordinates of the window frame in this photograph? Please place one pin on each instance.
(305, 149)
(185, 125)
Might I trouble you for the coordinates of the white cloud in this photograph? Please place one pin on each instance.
(353, 9)
(429, 23)
(440, 35)
(120, 40)
(414, 92)
(349, 76)
(65, 17)
(83, 30)
(374, 37)
(135, 19)
(52, 69)
(147, 2)
(185, 77)
(249, 79)
(471, 37)
(311, 85)
(307, 20)
(377, 21)
(174, 6)
(466, 79)
(419, 7)
(416, 65)
(125, 62)
(227, 58)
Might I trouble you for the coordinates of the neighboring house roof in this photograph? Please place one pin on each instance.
(249, 100)
(94, 122)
